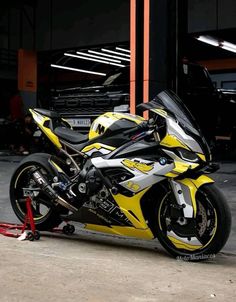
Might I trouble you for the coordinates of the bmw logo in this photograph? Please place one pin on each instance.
(162, 161)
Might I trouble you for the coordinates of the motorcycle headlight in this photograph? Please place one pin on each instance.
(187, 155)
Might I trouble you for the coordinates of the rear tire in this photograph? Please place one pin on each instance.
(46, 215)
(211, 204)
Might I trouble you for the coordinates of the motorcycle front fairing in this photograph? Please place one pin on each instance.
(180, 124)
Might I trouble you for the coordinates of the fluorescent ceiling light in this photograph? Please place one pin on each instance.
(76, 69)
(106, 55)
(208, 40)
(94, 60)
(217, 42)
(122, 49)
(228, 45)
(115, 52)
(97, 57)
(228, 48)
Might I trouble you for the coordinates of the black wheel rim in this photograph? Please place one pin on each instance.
(40, 203)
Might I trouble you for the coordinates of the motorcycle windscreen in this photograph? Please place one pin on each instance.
(169, 102)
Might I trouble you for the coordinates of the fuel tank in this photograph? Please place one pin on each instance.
(110, 122)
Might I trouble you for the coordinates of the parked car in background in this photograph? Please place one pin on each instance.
(81, 105)
(213, 109)
(226, 126)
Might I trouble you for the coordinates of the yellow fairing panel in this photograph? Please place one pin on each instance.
(172, 141)
(203, 179)
(202, 156)
(40, 120)
(171, 175)
(121, 231)
(92, 132)
(97, 146)
(181, 167)
(130, 206)
(53, 138)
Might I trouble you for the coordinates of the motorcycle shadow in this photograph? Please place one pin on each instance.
(152, 248)
(108, 240)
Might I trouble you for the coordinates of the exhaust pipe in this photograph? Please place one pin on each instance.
(52, 194)
(65, 204)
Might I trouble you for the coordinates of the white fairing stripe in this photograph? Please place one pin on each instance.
(173, 128)
(143, 180)
(102, 150)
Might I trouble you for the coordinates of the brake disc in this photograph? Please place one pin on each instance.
(203, 224)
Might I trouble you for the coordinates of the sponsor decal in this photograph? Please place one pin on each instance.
(133, 186)
(135, 165)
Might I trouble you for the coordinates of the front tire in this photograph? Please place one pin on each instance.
(212, 225)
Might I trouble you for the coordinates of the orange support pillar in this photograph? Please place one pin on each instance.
(27, 70)
(133, 56)
(136, 48)
(150, 22)
(146, 53)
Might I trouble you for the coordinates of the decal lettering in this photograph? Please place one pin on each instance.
(107, 206)
(100, 216)
(133, 165)
(132, 186)
(113, 210)
(100, 129)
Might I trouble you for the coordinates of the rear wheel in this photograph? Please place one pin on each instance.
(198, 238)
(46, 215)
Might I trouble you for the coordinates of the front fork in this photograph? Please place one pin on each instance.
(184, 191)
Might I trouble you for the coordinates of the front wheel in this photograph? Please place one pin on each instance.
(196, 238)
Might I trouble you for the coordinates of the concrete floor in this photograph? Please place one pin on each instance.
(96, 267)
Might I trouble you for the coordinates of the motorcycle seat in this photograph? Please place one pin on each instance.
(48, 113)
(70, 135)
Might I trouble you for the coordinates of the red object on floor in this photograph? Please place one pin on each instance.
(5, 228)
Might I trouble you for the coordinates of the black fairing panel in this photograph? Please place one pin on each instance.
(145, 150)
(122, 124)
(114, 135)
(48, 113)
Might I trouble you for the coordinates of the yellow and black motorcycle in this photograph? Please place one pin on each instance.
(128, 177)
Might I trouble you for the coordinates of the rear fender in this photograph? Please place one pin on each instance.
(45, 160)
(43, 123)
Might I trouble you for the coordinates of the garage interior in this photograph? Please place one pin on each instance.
(86, 58)
(81, 58)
